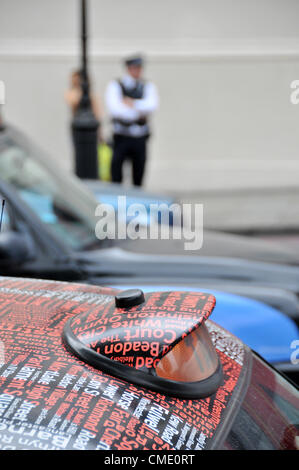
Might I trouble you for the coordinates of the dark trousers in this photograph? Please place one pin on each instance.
(133, 148)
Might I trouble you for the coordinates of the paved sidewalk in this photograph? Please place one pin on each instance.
(263, 210)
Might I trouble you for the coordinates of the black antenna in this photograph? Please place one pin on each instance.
(2, 212)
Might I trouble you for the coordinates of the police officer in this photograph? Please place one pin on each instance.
(130, 101)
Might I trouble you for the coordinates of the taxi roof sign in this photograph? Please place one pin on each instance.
(149, 344)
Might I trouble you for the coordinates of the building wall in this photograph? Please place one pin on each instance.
(223, 69)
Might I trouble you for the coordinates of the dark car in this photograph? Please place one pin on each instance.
(49, 232)
(85, 368)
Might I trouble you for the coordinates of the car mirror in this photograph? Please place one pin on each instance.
(14, 248)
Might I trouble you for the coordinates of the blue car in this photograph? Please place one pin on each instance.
(109, 193)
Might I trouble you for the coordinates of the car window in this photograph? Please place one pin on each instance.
(269, 415)
(57, 201)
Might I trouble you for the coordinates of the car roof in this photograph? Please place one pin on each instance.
(55, 393)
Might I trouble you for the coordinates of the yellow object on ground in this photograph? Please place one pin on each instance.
(104, 161)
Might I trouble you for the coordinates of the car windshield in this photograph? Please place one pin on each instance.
(58, 199)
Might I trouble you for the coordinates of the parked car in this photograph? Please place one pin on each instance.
(48, 232)
(59, 208)
(84, 367)
(109, 193)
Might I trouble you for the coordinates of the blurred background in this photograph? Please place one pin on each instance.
(226, 132)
